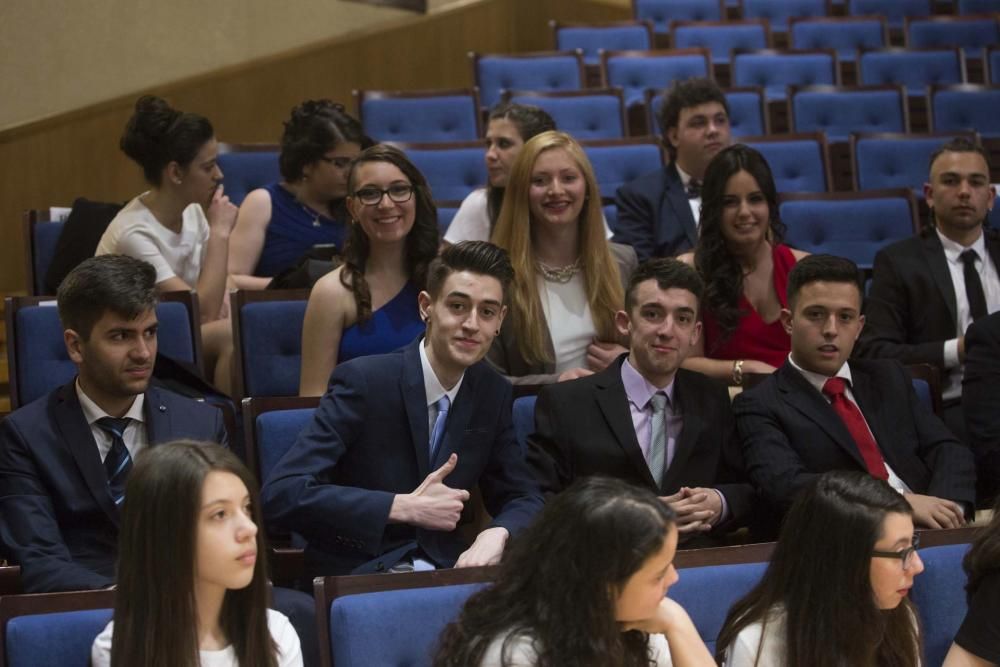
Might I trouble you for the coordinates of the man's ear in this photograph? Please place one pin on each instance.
(623, 323)
(424, 305)
(503, 314)
(786, 320)
(74, 345)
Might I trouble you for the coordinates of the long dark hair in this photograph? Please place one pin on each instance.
(715, 262)
(560, 578)
(983, 557)
(529, 121)
(421, 243)
(156, 622)
(158, 134)
(820, 574)
(314, 128)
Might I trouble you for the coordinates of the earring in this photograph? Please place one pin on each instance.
(497, 333)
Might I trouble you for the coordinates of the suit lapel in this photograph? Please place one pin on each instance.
(677, 200)
(934, 254)
(414, 398)
(75, 432)
(614, 405)
(803, 397)
(686, 441)
(992, 247)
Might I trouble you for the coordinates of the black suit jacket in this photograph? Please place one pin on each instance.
(57, 519)
(981, 391)
(911, 310)
(584, 427)
(654, 215)
(791, 434)
(369, 441)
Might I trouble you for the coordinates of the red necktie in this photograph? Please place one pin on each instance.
(855, 423)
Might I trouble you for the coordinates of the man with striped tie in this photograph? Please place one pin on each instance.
(65, 457)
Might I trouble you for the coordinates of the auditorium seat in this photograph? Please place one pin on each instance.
(41, 234)
(434, 116)
(591, 113)
(721, 37)
(939, 596)
(662, 12)
(965, 107)
(799, 162)
(895, 160)
(916, 69)
(636, 71)
(524, 419)
(977, 6)
(895, 11)
(246, 167)
(972, 33)
(844, 34)
(747, 111)
(993, 65)
(272, 425)
(446, 208)
(50, 629)
(775, 70)
(779, 12)
(267, 341)
(556, 70)
(619, 162)
(593, 38)
(452, 170)
(853, 225)
(838, 111)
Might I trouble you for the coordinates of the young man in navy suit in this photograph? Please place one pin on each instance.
(59, 498)
(380, 479)
(658, 213)
(821, 412)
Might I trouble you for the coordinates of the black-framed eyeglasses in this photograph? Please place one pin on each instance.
(372, 196)
(906, 555)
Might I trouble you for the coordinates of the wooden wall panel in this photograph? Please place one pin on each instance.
(76, 154)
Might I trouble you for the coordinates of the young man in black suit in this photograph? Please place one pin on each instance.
(646, 420)
(821, 412)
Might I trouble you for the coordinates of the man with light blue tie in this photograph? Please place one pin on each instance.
(380, 479)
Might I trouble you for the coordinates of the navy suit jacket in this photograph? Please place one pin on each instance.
(57, 519)
(369, 441)
(791, 434)
(584, 427)
(654, 215)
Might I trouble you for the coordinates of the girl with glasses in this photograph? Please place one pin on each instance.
(835, 591)
(369, 304)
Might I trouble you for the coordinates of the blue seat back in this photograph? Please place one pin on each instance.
(895, 11)
(611, 216)
(366, 629)
(798, 165)
(939, 594)
(922, 389)
(430, 118)
(846, 37)
(778, 12)
(446, 213)
(271, 342)
(893, 162)
(662, 12)
(524, 419)
(971, 34)
(244, 171)
(720, 39)
(840, 112)
(707, 593)
(993, 62)
(635, 74)
(968, 109)
(44, 237)
(774, 72)
(978, 6)
(42, 363)
(993, 218)
(46, 640)
(494, 74)
(615, 165)
(591, 39)
(746, 112)
(597, 116)
(852, 228)
(451, 172)
(276, 433)
(913, 69)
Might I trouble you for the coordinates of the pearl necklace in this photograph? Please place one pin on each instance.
(559, 274)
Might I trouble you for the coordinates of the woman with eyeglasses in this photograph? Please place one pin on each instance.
(835, 591)
(977, 643)
(279, 223)
(369, 304)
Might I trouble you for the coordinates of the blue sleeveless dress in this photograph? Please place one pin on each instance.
(389, 328)
(291, 232)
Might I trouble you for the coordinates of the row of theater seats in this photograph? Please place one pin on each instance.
(360, 617)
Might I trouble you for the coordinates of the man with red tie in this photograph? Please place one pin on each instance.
(819, 412)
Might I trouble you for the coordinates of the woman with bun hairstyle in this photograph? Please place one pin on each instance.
(192, 578)
(279, 223)
(181, 225)
(585, 586)
(835, 591)
(368, 305)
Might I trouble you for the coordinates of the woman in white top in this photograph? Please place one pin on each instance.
(569, 279)
(584, 585)
(835, 592)
(509, 126)
(181, 225)
(192, 577)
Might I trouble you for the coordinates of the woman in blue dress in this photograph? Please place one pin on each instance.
(278, 223)
(369, 304)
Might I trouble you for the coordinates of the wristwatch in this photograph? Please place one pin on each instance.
(738, 372)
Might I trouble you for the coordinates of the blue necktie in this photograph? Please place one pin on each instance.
(118, 462)
(442, 405)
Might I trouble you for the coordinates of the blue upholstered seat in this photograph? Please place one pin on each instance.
(896, 11)
(893, 161)
(275, 433)
(968, 108)
(452, 171)
(44, 237)
(939, 594)
(270, 347)
(497, 73)
(798, 162)
(592, 38)
(721, 37)
(58, 639)
(617, 163)
(993, 64)
(634, 72)
(970, 33)
(451, 116)
(246, 170)
(916, 70)
(591, 114)
(778, 12)
(662, 12)
(446, 213)
(978, 6)
(707, 593)
(840, 111)
(845, 35)
(524, 419)
(774, 71)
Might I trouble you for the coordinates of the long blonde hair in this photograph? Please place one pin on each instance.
(602, 281)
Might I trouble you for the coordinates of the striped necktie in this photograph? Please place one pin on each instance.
(118, 462)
